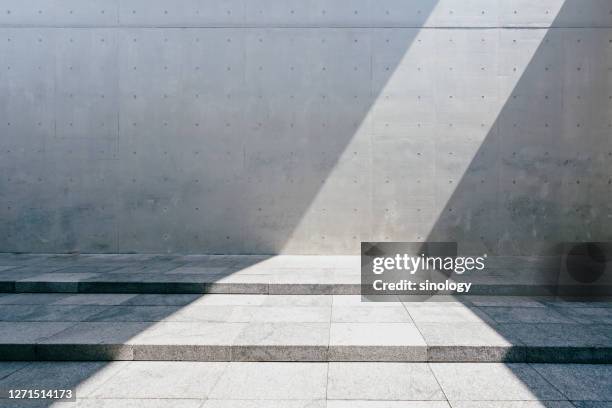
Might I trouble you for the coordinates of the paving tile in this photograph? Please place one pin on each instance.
(253, 269)
(440, 301)
(315, 278)
(558, 335)
(29, 332)
(309, 314)
(97, 333)
(264, 404)
(250, 279)
(446, 314)
(302, 288)
(129, 258)
(204, 270)
(167, 258)
(492, 382)
(303, 300)
(90, 269)
(208, 260)
(584, 303)
(230, 300)
(382, 381)
(186, 341)
(208, 313)
(137, 403)
(386, 404)
(13, 275)
(32, 270)
(309, 283)
(596, 315)
(91, 342)
(145, 283)
(17, 313)
(436, 299)
(511, 404)
(189, 333)
(159, 267)
(94, 299)
(305, 381)
(135, 314)
(364, 314)
(160, 379)
(469, 334)
(579, 381)
(249, 284)
(163, 300)
(32, 298)
(9, 367)
(62, 260)
(282, 342)
(509, 301)
(469, 342)
(49, 313)
(250, 259)
(84, 377)
(363, 341)
(592, 404)
(370, 301)
(135, 278)
(525, 315)
(11, 258)
(53, 282)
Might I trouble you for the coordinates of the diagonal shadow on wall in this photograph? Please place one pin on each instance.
(541, 173)
(264, 123)
(307, 138)
(164, 136)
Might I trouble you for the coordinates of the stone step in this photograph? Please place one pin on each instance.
(170, 285)
(235, 285)
(301, 328)
(291, 353)
(230, 274)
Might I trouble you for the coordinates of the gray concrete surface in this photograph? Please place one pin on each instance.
(315, 385)
(256, 274)
(303, 126)
(222, 327)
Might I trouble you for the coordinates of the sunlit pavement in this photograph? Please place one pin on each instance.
(289, 349)
(367, 385)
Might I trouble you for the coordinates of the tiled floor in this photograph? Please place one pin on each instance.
(333, 385)
(303, 328)
(224, 350)
(257, 274)
(176, 274)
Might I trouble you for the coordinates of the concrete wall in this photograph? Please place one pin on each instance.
(303, 126)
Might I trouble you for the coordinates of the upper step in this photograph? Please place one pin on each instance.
(247, 274)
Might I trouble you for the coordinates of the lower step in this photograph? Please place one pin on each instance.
(196, 352)
(55, 326)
